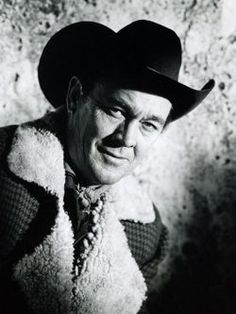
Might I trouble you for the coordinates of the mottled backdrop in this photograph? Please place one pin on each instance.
(191, 173)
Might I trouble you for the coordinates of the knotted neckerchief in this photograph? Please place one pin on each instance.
(78, 201)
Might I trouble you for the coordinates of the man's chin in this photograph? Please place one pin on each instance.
(109, 178)
(103, 172)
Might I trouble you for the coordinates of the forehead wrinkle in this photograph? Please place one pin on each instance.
(129, 100)
(126, 99)
(158, 119)
(138, 109)
(120, 97)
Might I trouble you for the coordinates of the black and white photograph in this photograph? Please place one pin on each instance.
(117, 157)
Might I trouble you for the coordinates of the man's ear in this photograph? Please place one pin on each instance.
(74, 92)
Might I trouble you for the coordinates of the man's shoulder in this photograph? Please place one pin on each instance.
(52, 122)
(20, 200)
(6, 136)
(17, 205)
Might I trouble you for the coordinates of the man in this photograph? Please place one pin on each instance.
(78, 234)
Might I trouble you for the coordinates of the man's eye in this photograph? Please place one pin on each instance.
(112, 111)
(148, 126)
(115, 112)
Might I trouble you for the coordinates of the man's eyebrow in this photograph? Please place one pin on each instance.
(121, 103)
(160, 120)
(130, 112)
(112, 100)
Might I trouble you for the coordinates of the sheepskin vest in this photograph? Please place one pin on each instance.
(105, 278)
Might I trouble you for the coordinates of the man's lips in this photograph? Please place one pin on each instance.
(113, 153)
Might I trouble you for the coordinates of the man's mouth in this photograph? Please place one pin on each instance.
(112, 153)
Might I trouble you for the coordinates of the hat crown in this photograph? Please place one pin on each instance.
(152, 45)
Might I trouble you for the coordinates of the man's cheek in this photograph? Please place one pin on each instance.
(104, 125)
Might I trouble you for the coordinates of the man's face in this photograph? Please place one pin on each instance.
(110, 132)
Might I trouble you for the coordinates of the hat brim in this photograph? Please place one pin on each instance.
(183, 98)
(54, 84)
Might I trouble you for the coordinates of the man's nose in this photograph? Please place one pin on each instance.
(128, 134)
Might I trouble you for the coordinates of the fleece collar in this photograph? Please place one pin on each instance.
(39, 158)
(108, 280)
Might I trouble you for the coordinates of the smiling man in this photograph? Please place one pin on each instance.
(78, 233)
(113, 129)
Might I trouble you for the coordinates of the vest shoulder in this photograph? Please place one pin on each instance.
(6, 136)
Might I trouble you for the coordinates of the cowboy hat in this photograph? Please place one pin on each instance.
(143, 56)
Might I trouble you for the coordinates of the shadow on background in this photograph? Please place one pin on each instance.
(203, 280)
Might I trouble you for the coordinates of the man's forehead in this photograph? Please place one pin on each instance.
(136, 101)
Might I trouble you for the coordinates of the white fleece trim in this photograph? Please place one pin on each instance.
(110, 279)
(37, 156)
(45, 276)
